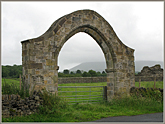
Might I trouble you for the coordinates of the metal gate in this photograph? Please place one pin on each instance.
(79, 94)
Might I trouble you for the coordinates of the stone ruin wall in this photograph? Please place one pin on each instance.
(149, 73)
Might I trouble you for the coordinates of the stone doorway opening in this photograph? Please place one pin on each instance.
(80, 48)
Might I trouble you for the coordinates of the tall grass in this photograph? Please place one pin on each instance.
(10, 81)
(13, 88)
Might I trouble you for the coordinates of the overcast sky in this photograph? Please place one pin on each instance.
(139, 25)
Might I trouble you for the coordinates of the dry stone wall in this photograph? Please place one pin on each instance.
(81, 80)
(148, 78)
(40, 55)
(142, 91)
(13, 105)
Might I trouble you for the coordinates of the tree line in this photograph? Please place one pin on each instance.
(15, 70)
(11, 71)
(78, 73)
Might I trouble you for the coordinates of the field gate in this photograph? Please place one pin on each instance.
(83, 94)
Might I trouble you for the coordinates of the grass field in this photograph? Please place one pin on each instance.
(150, 84)
(145, 84)
(10, 81)
(63, 112)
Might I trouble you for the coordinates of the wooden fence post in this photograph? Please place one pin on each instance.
(139, 81)
(154, 82)
(105, 92)
(20, 81)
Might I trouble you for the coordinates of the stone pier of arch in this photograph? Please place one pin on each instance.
(40, 55)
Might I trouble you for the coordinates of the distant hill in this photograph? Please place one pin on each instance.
(97, 66)
(101, 66)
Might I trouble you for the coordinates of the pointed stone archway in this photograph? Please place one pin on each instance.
(39, 55)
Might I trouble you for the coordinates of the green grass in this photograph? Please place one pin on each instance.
(145, 84)
(10, 81)
(149, 84)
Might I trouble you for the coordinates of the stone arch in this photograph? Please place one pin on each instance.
(97, 37)
(39, 55)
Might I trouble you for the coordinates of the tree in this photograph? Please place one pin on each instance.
(60, 74)
(5, 71)
(86, 74)
(78, 72)
(66, 71)
(104, 74)
(92, 73)
(11, 71)
(72, 72)
(98, 74)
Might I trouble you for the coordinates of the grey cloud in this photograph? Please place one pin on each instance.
(21, 21)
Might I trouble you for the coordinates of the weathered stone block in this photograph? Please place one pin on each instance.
(51, 73)
(35, 66)
(110, 84)
(56, 29)
(110, 92)
(51, 88)
(37, 72)
(50, 62)
(110, 88)
(24, 52)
